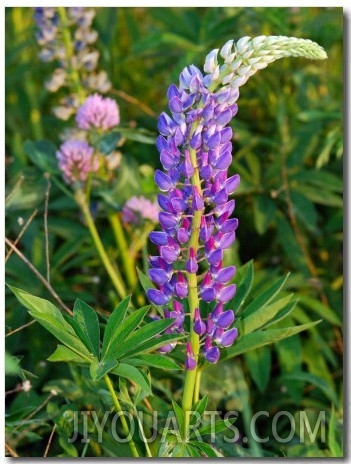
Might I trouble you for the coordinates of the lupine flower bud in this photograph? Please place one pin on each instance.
(190, 362)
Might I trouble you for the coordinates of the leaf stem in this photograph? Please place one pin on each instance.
(123, 419)
(115, 278)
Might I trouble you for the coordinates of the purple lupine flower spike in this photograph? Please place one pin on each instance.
(195, 152)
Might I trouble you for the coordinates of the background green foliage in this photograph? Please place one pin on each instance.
(288, 151)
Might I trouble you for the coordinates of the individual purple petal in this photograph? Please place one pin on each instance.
(181, 286)
(191, 264)
(225, 320)
(190, 362)
(165, 203)
(211, 353)
(215, 256)
(228, 337)
(169, 254)
(157, 297)
(230, 226)
(232, 183)
(224, 161)
(167, 348)
(168, 159)
(199, 325)
(225, 240)
(165, 124)
(163, 181)
(223, 276)
(167, 220)
(221, 197)
(223, 117)
(159, 237)
(198, 202)
(208, 294)
(159, 276)
(214, 140)
(226, 134)
(227, 293)
(173, 92)
(175, 104)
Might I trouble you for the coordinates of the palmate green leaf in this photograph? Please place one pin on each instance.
(133, 374)
(107, 143)
(259, 364)
(114, 321)
(261, 338)
(43, 154)
(263, 314)
(245, 276)
(146, 283)
(314, 380)
(217, 427)
(322, 310)
(99, 369)
(206, 449)
(333, 444)
(321, 196)
(52, 319)
(200, 407)
(282, 314)
(87, 319)
(160, 361)
(64, 354)
(122, 332)
(263, 212)
(265, 297)
(144, 334)
(179, 414)
(304, 209)
(152, 345)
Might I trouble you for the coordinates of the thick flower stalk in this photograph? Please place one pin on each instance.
(196, 218)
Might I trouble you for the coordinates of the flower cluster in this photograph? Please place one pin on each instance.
(76, 155)
(195, 151)
(138, 209)
(82, 58)
(98, 112)
(76, 160)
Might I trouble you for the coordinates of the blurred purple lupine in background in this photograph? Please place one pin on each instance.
(73, 51)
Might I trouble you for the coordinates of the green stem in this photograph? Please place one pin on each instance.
(127, 259)
(123, 419)
(67, 40)
(191, 375)
(197, 386)
(115, 278)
